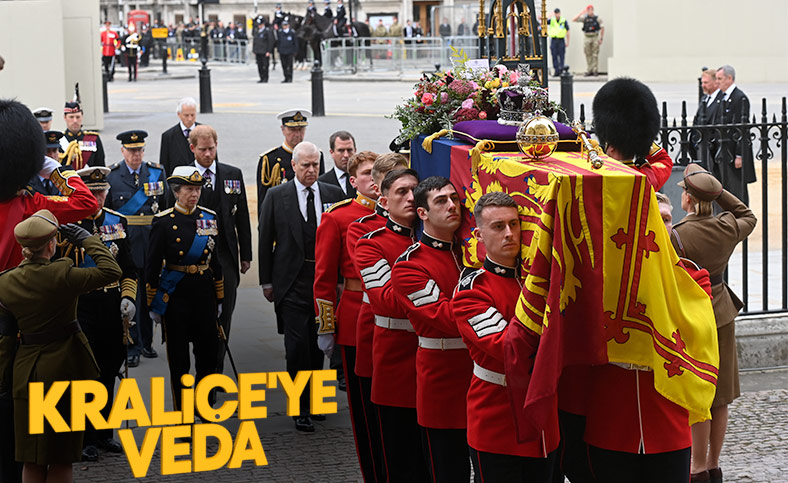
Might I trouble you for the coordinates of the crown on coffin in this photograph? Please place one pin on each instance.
(521, 101)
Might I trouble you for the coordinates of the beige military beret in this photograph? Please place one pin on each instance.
(36, 230)
(700, 183)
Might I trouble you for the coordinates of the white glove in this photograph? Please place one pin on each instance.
(155, 317)
(218, 311)
(127, 308)
(326, 344)
(49, 166)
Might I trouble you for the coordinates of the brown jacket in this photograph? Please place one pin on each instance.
(709, 241)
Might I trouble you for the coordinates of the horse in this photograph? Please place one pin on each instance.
(309, 32)
(362, 31)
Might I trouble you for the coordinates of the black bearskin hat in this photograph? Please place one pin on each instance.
(626, 117)
(21, 147)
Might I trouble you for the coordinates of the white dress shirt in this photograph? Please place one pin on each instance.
(711, 97)
(302, 193)
(184, 128)
(343, 178)
(202, 170)
(728, 92)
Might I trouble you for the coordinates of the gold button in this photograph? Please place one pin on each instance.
(174, 227)
(180, 253)
(172, 215)
(178, 240)
(201, 215)
(205, 251)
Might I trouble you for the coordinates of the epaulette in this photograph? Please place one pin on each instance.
(467, 281)
(365, 217)
(162, 213)
(121, 215)
(338, 204)
(153, 164)
(94, 133)
(406, 254)
(373, 232)
(206, 209)
(269, 151)
(116, 165)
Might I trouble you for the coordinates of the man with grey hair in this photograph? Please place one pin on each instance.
(289, 218)
(175, 140)
(733, 165)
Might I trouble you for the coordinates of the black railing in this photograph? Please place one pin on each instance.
(712, 145)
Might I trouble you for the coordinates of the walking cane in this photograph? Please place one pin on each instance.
(223, 336)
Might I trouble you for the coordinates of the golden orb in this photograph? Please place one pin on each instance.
(537, 137)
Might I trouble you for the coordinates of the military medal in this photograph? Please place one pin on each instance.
(207, 227)
(113, 249)
(211, 244)
(232, 186)
(155, 206)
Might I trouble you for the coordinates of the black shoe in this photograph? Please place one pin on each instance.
(260, 81)
(90, 453)
(304, 423)
(318, 417)
(341, 385)
(715, 475)
(588, 74)
(284, 81)
(133, 361)
(149, 353)
(110, 445)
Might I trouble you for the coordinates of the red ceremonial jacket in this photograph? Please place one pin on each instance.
(109, 42)
(365, 322)
(332, 260)
(78, 204)
(483, 306)
(424, 279)
(393, 350)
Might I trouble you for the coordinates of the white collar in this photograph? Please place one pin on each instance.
(183, 126)
(201, 169)
(730, 89)
(339, 173)
(301, 188)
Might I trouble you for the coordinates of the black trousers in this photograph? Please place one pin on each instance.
(262, 66)
(558, 49)
(132, 67)
(572, 460)
(503, 468)
(191, 318)
(619, 467)
(301, 350)
(142, 331)
(98, 313)
(107, 61)
(231, 280)
(359, 417)
(446, 454)
(10, 469)
(372, 422)
(287, 66)
(402, 447)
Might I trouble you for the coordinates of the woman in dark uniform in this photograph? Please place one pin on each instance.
(187, 293)
(709, 241)
(42, 297)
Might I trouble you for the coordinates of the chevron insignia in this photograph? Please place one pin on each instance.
(428, 295)
(489, 322)
(377, 275)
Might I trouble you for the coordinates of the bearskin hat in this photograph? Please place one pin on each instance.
(626, 116)
(21, 147)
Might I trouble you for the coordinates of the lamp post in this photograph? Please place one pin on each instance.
(206, 101)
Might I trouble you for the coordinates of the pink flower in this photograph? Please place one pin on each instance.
(444, 97)
(501, 69)
(467, 103)
(482, 115)
(513, 76)
(474, 85)
(428, 98)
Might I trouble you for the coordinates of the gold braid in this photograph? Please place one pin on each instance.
(270, 175)
(73, 156)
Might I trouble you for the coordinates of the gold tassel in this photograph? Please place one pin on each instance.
(427, 143)
(72, 157)
(476, 153)
(270, 176)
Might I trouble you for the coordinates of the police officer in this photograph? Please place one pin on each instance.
(311, 10)
(288, 46)
(105, 331)
(558, 31)
(279, 15)
(186, 295)
(327, 9)
(137, 192)
(274, 166)
(341, 17)
(82, 148)
(41, 184)
(263, 46)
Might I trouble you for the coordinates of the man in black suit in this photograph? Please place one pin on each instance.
(708, 106)
(224, 192)
(289, 218)
(175, 140)
(342, 146)
(734, 161)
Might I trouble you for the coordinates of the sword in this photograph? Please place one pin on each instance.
(127, 341)
(223, 336)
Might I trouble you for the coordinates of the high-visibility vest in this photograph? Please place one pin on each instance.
(556, 29)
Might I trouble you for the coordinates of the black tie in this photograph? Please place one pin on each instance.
(343, 181)
(311, 217)
(136, 180)
(188, 130)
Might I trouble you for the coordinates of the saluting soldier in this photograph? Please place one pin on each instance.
(274, 166)
(82, 148)
(42, 184)
(137, 192)
(187, 294)
(95, 309)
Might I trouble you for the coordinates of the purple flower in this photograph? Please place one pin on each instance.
(444, 97)
(467, 103)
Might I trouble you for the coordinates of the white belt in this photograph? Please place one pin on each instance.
(365, 298)
(488, 375)
(440, 343)
(393, 324)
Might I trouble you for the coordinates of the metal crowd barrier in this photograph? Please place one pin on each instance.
(350, 55)
(219, 50)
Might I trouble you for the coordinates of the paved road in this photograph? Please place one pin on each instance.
(756, 448)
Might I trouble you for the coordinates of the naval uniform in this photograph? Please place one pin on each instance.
(276, 161)
(187, 290)
(424, 278)
(90, 145)
(98, 312)
(138, 198)
(393, 351)
(339, 317)
(483, 306)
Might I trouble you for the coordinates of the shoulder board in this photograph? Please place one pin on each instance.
(338, 204)
(467, 281)
(153, 164)
(365, 218)
(116, 165)
(406, 254)
(207, 210)
(162, 213)
(90, 132)
(121, 215)
(269, 151)
(373, 232)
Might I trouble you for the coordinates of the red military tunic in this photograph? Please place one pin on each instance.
(394, 348)
(483, 306)
(424, 279)
(365, 322)
(331, 260)
(109, 42)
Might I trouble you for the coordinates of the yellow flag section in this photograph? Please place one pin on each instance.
(656, 315)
